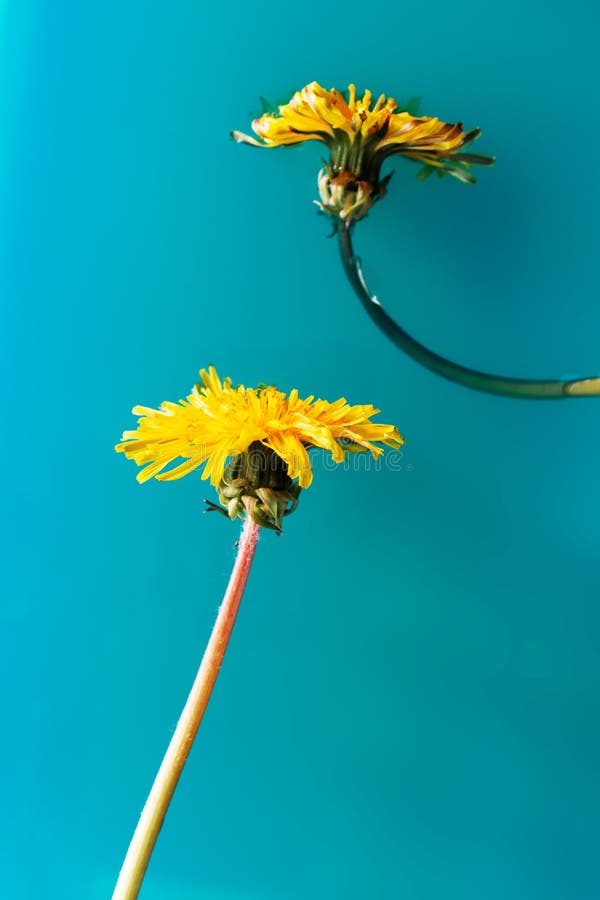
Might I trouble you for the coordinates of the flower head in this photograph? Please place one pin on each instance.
(253, 442)
(360, 135)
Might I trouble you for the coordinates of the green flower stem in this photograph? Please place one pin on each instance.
(471, 378)
(145, 835)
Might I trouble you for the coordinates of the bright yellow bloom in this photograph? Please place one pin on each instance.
(218, 421)
(360, 136)
(317, 114)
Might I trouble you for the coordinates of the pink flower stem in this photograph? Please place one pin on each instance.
(152, 817)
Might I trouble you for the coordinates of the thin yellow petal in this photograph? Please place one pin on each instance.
(217, 422)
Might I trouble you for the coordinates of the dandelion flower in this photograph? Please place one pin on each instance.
(254, 443)
(360, 135)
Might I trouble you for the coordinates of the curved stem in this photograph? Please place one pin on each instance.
(471, 378)
(157, 804)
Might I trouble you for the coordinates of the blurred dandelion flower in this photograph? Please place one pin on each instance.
(360, 137)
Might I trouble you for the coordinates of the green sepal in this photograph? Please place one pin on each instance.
(426, 172)
(256, 484)
(411, 106)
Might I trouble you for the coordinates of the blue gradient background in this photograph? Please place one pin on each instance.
(409, 707)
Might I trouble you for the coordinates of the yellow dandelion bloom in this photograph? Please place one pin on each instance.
(218, 421)
(360, 135)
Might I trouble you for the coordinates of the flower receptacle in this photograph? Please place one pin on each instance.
(256, 484)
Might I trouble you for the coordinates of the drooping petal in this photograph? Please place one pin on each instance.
(292, 451)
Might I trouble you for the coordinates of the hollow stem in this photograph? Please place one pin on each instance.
(555, 389)
(145, 835)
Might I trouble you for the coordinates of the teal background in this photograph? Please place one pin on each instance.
(409, 706)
